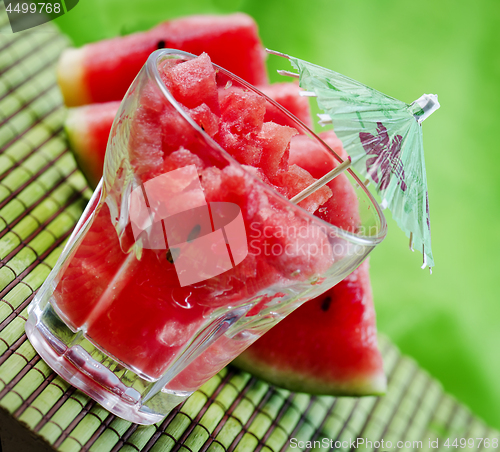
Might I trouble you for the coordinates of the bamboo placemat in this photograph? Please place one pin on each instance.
(42, 194)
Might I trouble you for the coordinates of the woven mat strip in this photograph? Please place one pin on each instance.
(42, 194)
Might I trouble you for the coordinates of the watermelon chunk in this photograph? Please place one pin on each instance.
(297, 179)
(205, 118)
(103, 71)
(242, 116)
(327, 346)
(275, 141)
(192, 83)
(181, 158)
(146, 134)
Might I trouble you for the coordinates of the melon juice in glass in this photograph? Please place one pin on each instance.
(190, 249)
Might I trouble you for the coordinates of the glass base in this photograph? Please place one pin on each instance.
(76, 360)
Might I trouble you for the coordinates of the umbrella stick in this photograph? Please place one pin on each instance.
(324, 119)
(320, 182)
(288, 73)
(274, 52)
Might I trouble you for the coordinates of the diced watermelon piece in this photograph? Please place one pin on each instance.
(327, 346)
(103, 71)
(204, 117)
(232, 184)
(146, 143)
(88, 130)
(242, 116)
(192, 83)
(242, 111)
(259, 174)
(287, 95)
(182, 158)
(275, 141)
(297, 179)
(158, 129)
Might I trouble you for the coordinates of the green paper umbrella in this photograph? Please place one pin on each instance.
(383, 137)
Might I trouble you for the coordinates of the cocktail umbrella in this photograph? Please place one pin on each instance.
(383, 137)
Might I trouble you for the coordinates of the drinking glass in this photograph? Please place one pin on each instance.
(183, 256)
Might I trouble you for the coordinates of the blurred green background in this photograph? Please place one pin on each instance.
(448, 321)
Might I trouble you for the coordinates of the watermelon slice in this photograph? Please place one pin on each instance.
(327, 346)
(287, 95)
(87, 129)
(103, 71)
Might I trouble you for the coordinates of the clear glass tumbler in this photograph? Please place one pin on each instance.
(183, 257)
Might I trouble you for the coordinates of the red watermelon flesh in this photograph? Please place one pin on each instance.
(192, 83)
(146, 144)
(275, 142)
(204, 117)
(103, 71)
(181, 158)
(242, 116)
(297, 179)
(86, 272)
(327, 346)
(342, 208)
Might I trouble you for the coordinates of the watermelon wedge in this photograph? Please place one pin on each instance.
(327, 346)
(88, 126)
(87, 129)
(103, 71)
(287, 95)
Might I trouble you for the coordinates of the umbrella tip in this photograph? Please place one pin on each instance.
(274, 52)
(429, 104)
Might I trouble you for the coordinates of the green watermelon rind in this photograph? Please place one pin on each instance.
(292, 380)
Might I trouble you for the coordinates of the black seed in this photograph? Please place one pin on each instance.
(173, 254)
(195, 232)
(161, 44)
(325, 305)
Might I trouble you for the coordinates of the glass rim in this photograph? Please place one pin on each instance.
(151, 67)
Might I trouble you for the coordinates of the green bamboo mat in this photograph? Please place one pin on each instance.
(42, 194)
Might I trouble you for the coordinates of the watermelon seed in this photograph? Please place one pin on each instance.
(325, 305)
(172, 254)
(195, 232)
(161, 44)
